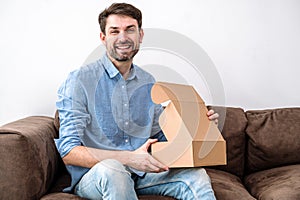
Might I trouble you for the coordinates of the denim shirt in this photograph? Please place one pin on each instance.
(98, 108)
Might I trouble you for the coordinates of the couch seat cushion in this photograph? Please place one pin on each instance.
(275, 184)
(227, 186)
(61, 196)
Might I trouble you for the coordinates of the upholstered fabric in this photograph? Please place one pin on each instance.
(56, 123)
(228, 186)
(275, 184)
(61, 196)
(28, 158)
(232, 124)
(274, 138)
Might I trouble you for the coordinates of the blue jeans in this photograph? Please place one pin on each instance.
(110, 179)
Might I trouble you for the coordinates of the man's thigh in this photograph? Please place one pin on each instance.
(108, 179)
(188, 183)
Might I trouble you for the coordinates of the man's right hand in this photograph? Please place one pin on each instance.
(141, 160)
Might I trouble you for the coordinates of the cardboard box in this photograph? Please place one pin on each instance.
(193, 140)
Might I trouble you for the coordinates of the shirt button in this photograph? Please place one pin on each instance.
(126, 140)
(123, 86)
(126, 123)
(125, 104)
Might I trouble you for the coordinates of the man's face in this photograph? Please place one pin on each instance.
(122, 38)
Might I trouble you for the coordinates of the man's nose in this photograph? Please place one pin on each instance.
(122, 36)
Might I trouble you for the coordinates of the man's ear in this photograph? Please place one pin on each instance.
(103, 38)
(141, 32)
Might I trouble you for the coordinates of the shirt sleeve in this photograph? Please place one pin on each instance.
(73, 115)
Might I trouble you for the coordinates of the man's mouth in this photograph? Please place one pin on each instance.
(123, 47)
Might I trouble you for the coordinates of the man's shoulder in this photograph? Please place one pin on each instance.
(92, 67)
(88, 71)
(143, 73)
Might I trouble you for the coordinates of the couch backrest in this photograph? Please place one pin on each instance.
(233, 131)
(274, 138)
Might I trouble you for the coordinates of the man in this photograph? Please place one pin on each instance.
(108, 122)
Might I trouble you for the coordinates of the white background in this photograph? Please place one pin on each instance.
(254, 45)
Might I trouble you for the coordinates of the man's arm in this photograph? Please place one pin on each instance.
(139, 159)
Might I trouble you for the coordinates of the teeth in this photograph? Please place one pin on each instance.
(123, 47)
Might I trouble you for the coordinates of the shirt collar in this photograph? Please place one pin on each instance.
(132, 73)
(109, 66)
(113, 71)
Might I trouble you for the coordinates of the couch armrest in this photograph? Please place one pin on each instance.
(29, 159)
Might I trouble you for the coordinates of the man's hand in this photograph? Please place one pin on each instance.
(213, 116)
(141, 160)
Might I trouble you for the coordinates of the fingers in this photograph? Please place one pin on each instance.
(154, 166)
(152, 141)
(143, 161)
(158, 166)
(212, 115)
(210, 112)
(148, 143)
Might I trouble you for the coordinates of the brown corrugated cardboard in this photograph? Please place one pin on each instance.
(193, 140)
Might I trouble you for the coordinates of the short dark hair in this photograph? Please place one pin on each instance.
(120, 9)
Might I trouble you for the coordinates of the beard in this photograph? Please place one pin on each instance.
(123, 51)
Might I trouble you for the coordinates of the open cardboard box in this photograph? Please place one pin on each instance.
(193, 140)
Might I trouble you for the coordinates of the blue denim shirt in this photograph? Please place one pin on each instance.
(98, 108)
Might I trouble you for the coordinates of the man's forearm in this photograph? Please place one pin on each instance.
(88, 157)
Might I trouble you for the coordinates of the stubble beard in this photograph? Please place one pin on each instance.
(123, 57)
(126, 55)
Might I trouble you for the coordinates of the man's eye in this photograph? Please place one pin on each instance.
(114, 32)
(131, 30)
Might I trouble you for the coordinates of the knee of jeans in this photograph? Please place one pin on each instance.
(111, 172)
(110, 167)
(197, 175)
(196, 183)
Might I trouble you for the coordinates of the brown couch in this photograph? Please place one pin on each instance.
(263, 155)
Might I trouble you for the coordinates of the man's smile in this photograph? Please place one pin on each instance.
(123, 45)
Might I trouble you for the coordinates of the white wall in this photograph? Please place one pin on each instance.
(254, 44)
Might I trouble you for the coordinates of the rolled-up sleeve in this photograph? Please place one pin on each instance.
(73, 115)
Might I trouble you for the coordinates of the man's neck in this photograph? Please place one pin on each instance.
(123, 67)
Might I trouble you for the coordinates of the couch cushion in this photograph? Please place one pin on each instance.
(227, 186)
(276, 184)
(61, 196)
(28, 158)
(273, 138)
(232, 124)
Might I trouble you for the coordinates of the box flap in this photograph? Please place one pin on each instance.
(162, 91)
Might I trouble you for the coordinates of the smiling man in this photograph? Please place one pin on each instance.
(108, 122)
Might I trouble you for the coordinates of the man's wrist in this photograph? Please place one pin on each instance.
(125, 157)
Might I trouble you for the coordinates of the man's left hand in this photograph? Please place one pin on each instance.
(213, 116)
